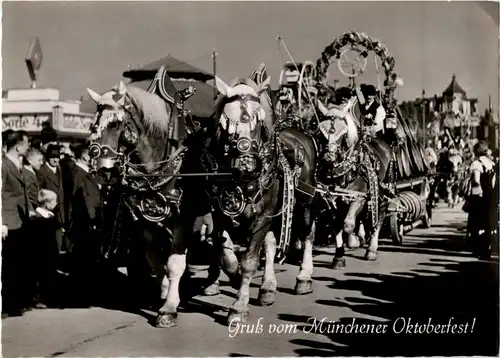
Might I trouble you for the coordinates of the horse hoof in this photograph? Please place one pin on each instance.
(353, 242)
(303, 287)
(237, 317)
(371, 256)
(166, 320)
(212, 290)
(266, 297)
(338, 263)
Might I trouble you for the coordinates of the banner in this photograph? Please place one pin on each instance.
(25, 122)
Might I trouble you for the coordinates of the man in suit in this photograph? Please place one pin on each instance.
(33, 163)
(85, 215)
(66, 164)
(50, 178)
(14, 223)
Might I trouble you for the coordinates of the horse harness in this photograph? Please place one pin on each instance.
(260, 159)
(148, 194)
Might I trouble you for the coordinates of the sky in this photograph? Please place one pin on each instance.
(90, 44)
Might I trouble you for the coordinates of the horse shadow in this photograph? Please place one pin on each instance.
(462, 293)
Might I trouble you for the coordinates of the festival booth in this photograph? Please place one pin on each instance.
(28, 109)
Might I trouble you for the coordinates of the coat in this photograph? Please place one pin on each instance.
(85, 203)
(54, 182)
(14, 196)
(32, 188)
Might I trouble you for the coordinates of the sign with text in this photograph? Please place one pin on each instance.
(25, 122)
(76, 123)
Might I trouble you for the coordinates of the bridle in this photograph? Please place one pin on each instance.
(149, 196)
(128, 138)
(244, 151)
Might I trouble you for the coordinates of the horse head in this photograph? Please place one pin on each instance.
(455, 161)
(245, 122)
(130, 124)
(341, 128)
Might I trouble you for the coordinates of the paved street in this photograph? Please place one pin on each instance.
(431, 276)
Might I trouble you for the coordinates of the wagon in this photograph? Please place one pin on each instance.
(409, 172)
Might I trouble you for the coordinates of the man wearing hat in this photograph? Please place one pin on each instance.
(50, 178)
(373, 111)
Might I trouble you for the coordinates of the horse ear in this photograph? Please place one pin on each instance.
(223, 88)
(264, 85)
(96, 97)
(121, 89)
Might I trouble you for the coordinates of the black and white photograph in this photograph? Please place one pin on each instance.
(250, 178)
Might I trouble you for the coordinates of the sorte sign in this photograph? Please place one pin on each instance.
(76, 123)
(26, 122)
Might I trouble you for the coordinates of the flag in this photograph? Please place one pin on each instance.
(34, 57)
(259, 75)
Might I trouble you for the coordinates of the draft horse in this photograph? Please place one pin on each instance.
(249, 206)
(351, 170)
(132, 141)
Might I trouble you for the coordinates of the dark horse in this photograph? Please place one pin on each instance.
(255, 200)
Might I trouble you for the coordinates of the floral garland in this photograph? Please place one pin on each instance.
(370, 44)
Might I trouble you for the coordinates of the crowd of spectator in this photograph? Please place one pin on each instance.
(51, 208)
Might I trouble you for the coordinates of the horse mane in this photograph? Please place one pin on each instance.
(243, 81)
(155, 112)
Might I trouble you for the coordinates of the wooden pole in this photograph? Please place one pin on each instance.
(423, 118)
(214, 60)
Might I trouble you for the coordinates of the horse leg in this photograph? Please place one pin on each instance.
(229, 261)
(345, 235)
(371, 251)
(304, 279)
(157, 264)
(239, 311)
(355, 208)
(267, 291)
(176, 265)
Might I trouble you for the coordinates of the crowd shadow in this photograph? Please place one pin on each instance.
(442, 289)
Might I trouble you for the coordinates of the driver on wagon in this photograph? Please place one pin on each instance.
(373, 111)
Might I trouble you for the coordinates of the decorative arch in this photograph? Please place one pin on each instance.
(368, 44)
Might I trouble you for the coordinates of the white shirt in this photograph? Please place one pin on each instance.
(44, 212)
(30, 169)
(378, 122)
(54, 169)
(15, 160)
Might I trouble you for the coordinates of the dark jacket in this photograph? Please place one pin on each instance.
(85, 205)
(66, 164)
(14, 197)
(32, 188)
(53, 181)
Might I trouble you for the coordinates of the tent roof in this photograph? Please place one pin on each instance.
(175, 69)
(454, 87)
(201, 104)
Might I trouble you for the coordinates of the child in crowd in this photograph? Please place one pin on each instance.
(45, 249)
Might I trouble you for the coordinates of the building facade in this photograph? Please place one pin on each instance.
(453, 112)
(28, 109)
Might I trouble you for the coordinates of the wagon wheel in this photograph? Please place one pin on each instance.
(352, 62)
(306, 79)
(396, 229)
